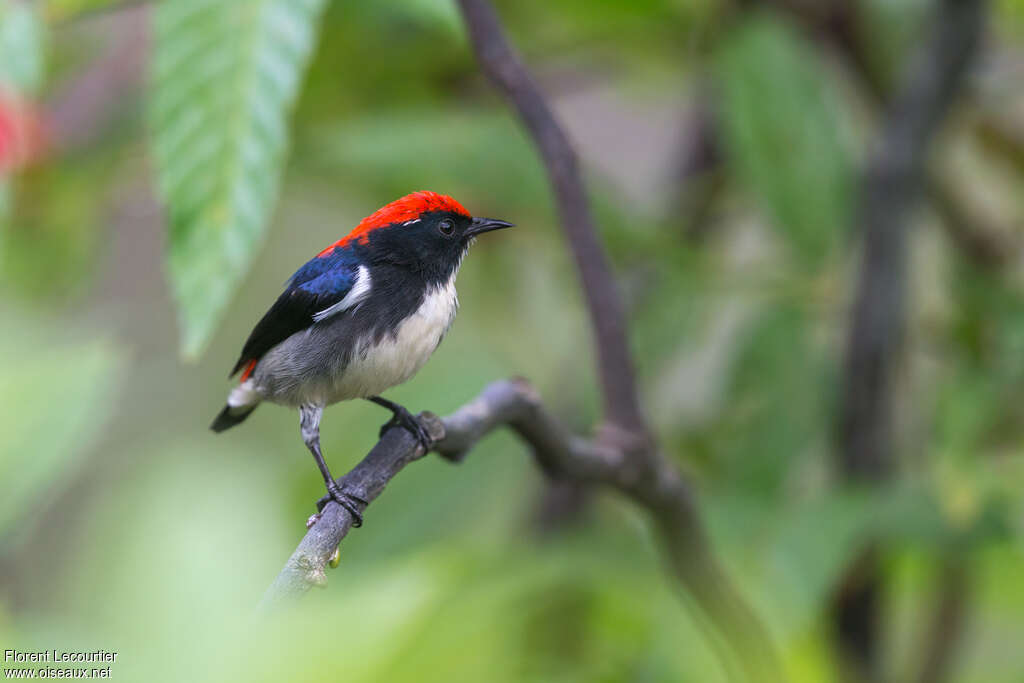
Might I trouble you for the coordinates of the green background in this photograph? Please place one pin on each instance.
(135, 258)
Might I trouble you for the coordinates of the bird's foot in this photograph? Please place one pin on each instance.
(401, 417)
(351, 502)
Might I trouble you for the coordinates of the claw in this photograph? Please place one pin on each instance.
(348, 501)
(411, 424)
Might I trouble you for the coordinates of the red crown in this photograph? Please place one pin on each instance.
(409, 207)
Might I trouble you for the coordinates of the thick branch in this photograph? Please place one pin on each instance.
(502, 65)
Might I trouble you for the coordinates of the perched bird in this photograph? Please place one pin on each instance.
(362, 316)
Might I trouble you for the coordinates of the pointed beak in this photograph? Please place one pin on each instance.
(480, 225)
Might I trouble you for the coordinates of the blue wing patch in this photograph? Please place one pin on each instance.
(321, 288)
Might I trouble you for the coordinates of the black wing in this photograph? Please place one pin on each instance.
(315, 292)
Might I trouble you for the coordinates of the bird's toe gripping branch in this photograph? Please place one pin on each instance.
(401, 417)
(351, 502)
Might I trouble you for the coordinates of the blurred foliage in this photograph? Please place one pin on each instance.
(53, 402)
(21, 51)
(120, 510)
(778, 109)
(21, 74)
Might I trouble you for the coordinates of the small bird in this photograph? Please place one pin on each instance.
(362, 316)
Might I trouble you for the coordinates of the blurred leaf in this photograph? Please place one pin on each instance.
(814, 542)
(394, 152)
(57, 230)
(226, 75)
(21, 73)
(53, 401)
(783, 134)
(5, 207)
(21, 46)
(442, 14)
(895, 28)
(775, 413)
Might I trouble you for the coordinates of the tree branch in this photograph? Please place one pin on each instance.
(640, 470)
(503, 67)
(515, 404)
(891, 186)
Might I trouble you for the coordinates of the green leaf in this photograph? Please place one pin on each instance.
(53, 402)
(226, 75)
(783, 135)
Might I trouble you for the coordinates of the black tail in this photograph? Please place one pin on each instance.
(229, 417)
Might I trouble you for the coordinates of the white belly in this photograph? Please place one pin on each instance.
(375, 367)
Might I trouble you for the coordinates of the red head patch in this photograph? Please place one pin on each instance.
(401, 210)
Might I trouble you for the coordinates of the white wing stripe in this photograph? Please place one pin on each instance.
(360, 290)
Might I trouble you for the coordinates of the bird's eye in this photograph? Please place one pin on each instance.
(446, 226)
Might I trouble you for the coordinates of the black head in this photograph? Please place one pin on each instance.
(433, 243)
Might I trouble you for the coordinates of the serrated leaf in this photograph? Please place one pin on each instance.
(226, 75)
(783, 135)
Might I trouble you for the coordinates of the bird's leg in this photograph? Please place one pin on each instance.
(309, 420)
(403, 418)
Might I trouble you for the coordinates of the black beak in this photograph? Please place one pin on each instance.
(480, 225)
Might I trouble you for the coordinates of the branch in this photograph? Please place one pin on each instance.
(561, 454)
(513, 403)
(891, 187)
(503, 67)
(641, 471)
(508, 402)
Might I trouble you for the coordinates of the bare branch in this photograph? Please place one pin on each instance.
(515, 404)
(305, 568)
(892, 185)
(638, 469)
(510, 402)
(502, 65)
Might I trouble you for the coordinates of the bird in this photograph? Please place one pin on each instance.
(362, 316)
